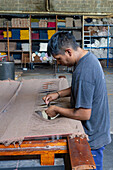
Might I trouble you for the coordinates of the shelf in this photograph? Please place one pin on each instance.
(14, 27)
(12, 40)
(34, 28)
(42, 40)
(95, 47)
(43, 28)
(95, 36)
(93, 25)
(102, 58)
(69, 28)
(17, 51)
(105, 58)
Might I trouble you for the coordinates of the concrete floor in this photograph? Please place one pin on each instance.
(47, 71)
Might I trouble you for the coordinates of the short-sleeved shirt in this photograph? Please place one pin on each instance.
(89, 91)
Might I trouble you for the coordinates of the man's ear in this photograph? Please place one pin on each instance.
(68, 52)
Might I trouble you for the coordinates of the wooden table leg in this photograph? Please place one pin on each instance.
(80, 154)
(47, 159)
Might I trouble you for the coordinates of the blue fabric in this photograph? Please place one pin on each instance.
(98, 157)
(89, 91)
(16, 34)
(43, 34)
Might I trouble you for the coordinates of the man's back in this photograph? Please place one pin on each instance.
(89, 91)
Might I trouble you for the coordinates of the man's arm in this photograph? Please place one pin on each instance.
(53, 96)
(65, 92)
(78, 114)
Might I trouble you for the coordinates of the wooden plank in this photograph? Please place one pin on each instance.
(80, 154)
(36, 147)
(47, 159)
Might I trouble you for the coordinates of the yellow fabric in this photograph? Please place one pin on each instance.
(3, 53)
(5, 34)
(24, 34)
(50, 33)
(34, 20)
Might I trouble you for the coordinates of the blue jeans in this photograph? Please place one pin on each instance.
(98, 157)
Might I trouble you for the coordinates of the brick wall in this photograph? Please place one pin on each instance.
(22, 5)
(85, 6)
(81, 6)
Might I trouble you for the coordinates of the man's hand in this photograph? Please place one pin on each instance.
(50, 97)
(51, 111)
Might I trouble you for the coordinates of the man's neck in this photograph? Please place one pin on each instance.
(81, 53)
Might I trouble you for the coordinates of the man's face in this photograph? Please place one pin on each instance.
(65, 60)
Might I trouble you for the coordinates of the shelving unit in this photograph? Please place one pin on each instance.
(36, 39)
(52, 26)
(12, 44)
(98, 44)
(74, 25)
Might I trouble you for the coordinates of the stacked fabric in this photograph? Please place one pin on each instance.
(43, 23)
(1, 22)
(24, 22)
(100, 53)
(51, 24)
(17, 56)
(111, 45)
(50, 33)
(61, 23)
(16, 22)
(77, 23)
(5, 34)
(97, 43)
(77, 35)
(18, 46)
(5, 22)
(43, 46)
(25, 47)
(16, 34)
(69, 22)
(34, 36)
(2, 46)
(24, 34)
(43, 34)
(34, 23)
(20, 22)
(1, 35)
(12, 46)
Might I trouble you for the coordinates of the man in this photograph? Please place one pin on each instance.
(89, 102)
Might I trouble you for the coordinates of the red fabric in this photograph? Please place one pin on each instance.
(35, 36)
(51, 24)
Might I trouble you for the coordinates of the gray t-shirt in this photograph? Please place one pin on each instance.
(89, 91)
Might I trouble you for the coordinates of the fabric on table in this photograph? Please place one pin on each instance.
(19, 106)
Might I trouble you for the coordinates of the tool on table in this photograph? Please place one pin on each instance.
(43, 113)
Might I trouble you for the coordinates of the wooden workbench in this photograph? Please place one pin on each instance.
(78, 149)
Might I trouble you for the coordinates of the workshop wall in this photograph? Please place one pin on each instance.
(22, 5)
(84, 6)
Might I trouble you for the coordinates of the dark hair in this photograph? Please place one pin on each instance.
(60, 41)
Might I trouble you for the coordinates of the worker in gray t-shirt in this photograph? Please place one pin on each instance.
(89, 102)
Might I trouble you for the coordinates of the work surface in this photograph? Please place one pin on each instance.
(26, 133)
(19, 103)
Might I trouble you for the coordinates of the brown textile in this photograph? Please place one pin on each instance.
(19, 103)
